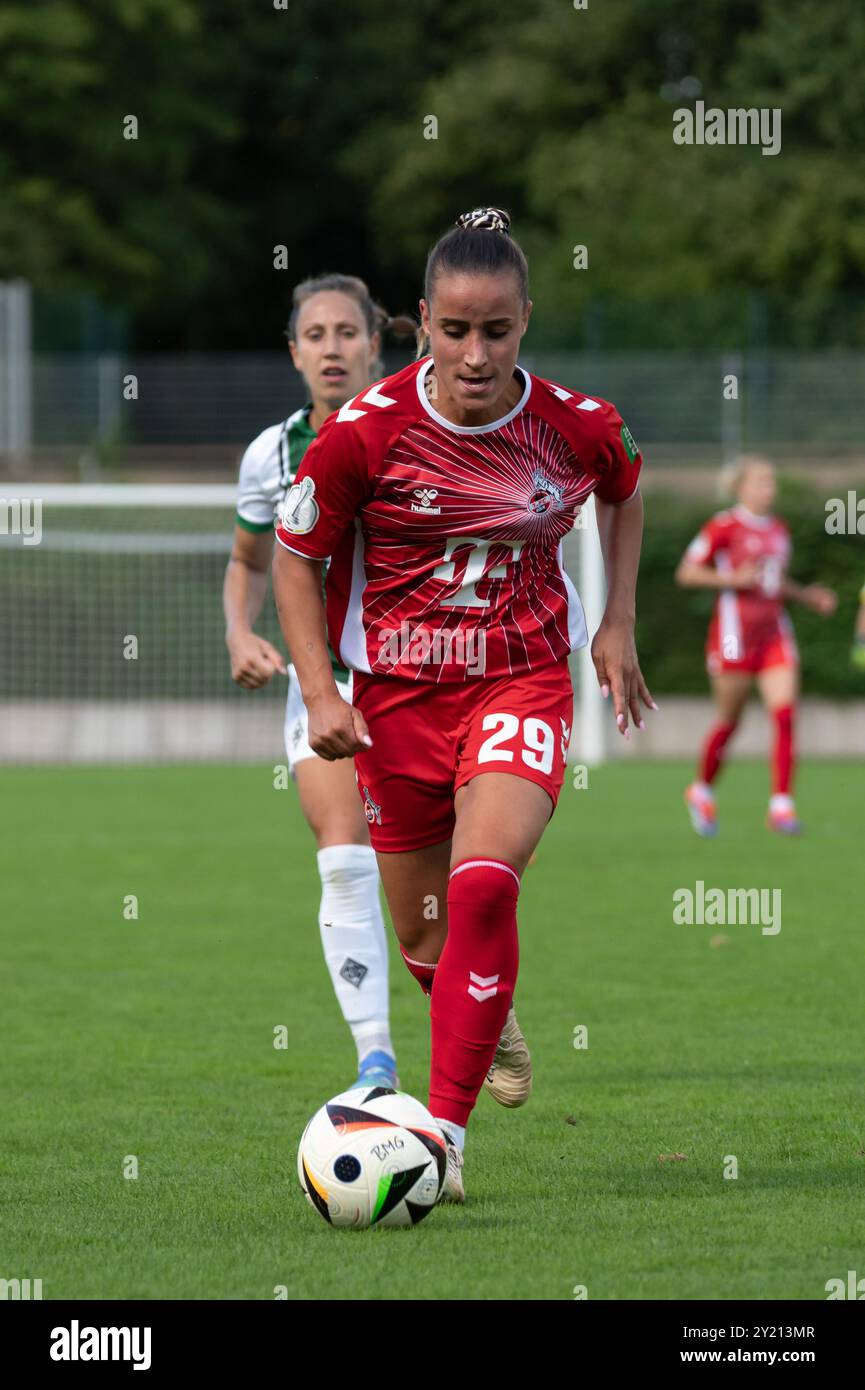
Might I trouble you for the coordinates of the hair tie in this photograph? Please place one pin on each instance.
(485, 220)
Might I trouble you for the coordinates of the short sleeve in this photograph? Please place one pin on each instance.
(618, 460)
(255, 503)
(332, 484)
(705, 545)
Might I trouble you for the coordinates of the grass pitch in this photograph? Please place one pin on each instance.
(152, 1039)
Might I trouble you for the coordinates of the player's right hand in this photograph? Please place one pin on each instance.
(253, 660)
(745, 576)
(336, 729)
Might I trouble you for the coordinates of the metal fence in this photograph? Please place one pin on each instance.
(130, 406)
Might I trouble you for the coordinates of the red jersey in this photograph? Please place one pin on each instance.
(744, 616)
(445, 540)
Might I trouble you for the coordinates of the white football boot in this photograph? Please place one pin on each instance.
(453, 1189)
(509, 1079)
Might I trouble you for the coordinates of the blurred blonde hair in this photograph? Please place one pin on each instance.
(732, 474)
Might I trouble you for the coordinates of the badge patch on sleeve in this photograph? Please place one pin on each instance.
(629, 444)
(300, 511)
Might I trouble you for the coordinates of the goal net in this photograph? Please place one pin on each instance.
(112, 633)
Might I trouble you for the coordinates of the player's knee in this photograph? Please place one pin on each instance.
(348, 874)
(488, 889)
(421, 939)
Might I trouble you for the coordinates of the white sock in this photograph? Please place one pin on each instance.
(455, 1132)
(780, 802)
(371, 1037)
(704, 789)
(354, 943)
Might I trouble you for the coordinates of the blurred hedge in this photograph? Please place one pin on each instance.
(672, 622)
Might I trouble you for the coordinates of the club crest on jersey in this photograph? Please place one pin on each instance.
(426, 495)
(300, 509)
(370, 809)
(547, 495)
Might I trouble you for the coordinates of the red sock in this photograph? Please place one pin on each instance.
(782, 753)
(713, 750)
(424, 974)
(474, 983)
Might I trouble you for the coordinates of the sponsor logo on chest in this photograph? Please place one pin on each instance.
(539, 496)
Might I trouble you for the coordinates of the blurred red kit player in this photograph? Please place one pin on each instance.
(750, 630)
(744, 554)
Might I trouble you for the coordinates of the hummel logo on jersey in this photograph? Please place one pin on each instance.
(300, 512)
(426, 495)
(547, 496)
(483, 986)
(566, 737)
(370, 809)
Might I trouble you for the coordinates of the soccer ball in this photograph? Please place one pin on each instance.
(372, 1157)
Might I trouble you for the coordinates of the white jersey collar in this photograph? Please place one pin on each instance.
(470, 429)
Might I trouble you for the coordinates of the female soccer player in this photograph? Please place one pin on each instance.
(334, 334)
(442, 495)
(744, 553)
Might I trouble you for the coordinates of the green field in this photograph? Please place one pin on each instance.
(154, 1038)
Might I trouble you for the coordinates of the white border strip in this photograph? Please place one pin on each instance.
(125, 494)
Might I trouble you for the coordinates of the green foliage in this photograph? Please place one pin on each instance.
(304, 127)
(672, 622)
(580, 147)
(84, 207)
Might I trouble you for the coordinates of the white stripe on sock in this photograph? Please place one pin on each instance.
(484, 864)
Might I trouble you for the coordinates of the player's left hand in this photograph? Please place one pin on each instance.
(823, 601)
(615, 657)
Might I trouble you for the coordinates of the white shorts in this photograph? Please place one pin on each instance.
(297, 720)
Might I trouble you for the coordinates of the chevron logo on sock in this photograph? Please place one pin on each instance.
(483, 986)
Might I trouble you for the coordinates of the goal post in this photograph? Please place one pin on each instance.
(589, 743)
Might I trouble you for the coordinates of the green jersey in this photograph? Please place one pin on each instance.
(267, 471)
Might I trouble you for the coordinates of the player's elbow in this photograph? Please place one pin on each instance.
(684, 575)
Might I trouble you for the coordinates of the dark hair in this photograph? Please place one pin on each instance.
(376, 318)
(479, 243)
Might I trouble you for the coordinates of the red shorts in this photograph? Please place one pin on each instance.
(749, 647)
(431, 739)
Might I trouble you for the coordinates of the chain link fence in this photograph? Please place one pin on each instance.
(83, 413)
